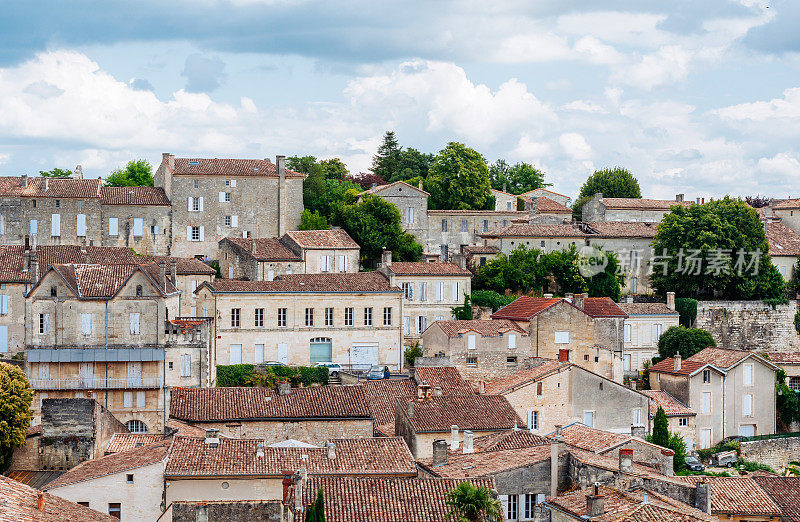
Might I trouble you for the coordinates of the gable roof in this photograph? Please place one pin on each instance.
(545, 204)
(521, 377)
(789, 204)
(536, 230)
(542, 189)
(143, 196)
(184, 265)
(646, 309)
(62, 188)
(358, 282)
(484, 327)
(104, 281)
(624, 229)
(783, 241)
(784, 491)
(229, 167)
(672, 406)
(382, 188)
(468, 412)
(718, 358)
(323, 239)
(263, 249)
(21, 505)
(508, 439)
(193, 457)
(737, 496)
(222, 404)
(642, 203)
(113, 463)
(484, 464)
(582, 436)
(784, 357)
(425, 268)
(526, 307)
(127, 441)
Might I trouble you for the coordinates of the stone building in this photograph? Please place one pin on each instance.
(412, 202)
(544, 237)
(628, 209)
(350, 319)
(136, 217)
(784, 247)
(430, 291)
(561, 199)
(296, 252)
(789, 362)
(504, 200)
(643, 327)
(680, 418)
(230, 198)
(788, 212)
(312, 415)
(542, 209)
(750, 325)
(23, 502)
(733, 392)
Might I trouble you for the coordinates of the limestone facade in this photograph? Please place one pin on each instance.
(643, 327)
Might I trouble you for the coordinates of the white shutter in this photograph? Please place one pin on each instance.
(44, 370)
(46, 323)
(439, 290)
(259, 355)
(201, 203)
(186, 365)
(655, 333)
(140, 399)
(113, 226)
(135, 324)
(406, 325)
(456, 294)
(127, 399)
(222, 197)
(34, 227)
(512, 341)
(2, 224)
(562, 338)
(235, 354)
(81, 225)
(189, 204)
(233, 183)
(3, 338)
(323, 263)
(86, 324)
(193, 311)
(230, 272)
(202, 233)
(748, 370)
(188, 233)
(55, 225)
(747, 405)
(342, 263)
(270, 275)
(627, 334)
(138, 227)
(471, 342)
(234, 221)
(3, 304)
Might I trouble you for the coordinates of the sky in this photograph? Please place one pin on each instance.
(693, 97)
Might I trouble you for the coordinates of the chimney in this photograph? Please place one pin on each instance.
(287, 483)
(40, 501)
(702, 497)
(578, 300)
(638, 431)
(46, 184)
(212, 438)
(453, 437)
(163, 274)
(558, 427)
(666, 463)
(299, 488)
(26, 261)
(331, 450)
(410, 409)
(386, 258)
(284, 388)
(130, 197)
(78, 174)
(626, 460)
(253, 246)
(481, 386)
(439, 452)
(548, 296)
(280, 166)
(671, 300)
(677, 362)
(419, 185)
(260, 449)
(629, 299)
(569, 296)
(423, 390)
(697, 200)
(86, 258)
(34, 271)
(504, 187)
(555, 450)
(468, 442)
(24, 180)
(702, 201)
(679, 198)
(437, 391)
(169, 159)
(595, 502)
(173, 271)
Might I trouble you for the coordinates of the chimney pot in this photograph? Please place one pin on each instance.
(453, 437)
(439, 452)
(626, 460)
(173, 271)
(548, 296)
(595, 503)
(78, 174)
(671, 300)
(40, 501)
(280, 165)
(679, 198)
(437, 391)
(481, 386)
(331, 450)
(419, 185)
(386, 258)
(504, 187)
(24, 180)
(677, 362)
(638, 431)
(468, 441)
(578, 300)
(410, 409)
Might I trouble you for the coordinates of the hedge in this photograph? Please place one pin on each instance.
(268, 376)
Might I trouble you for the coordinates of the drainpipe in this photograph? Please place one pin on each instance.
(106, 361)
(215, 343)
(723, 405)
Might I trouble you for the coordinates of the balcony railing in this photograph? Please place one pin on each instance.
(96, 383)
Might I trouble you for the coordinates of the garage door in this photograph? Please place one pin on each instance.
(364, 354)
(320, 349)
(747, 430)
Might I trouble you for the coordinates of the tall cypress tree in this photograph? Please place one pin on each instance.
(661, 428)
(387, 160)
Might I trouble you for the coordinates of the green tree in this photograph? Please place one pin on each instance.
(687, 310)
(334, 168)
(55, 173)
(612, 183)
(794, 282)
(137, 173)
(787, 402)
(374, 223)
(678, 446)
(386, 161)
(302, 164)
(16, 397)
(459, 179)
(564, 266)
(491, 299)
(463, 313)
(470, 503)
(661, 428)
(716, 250)
(523, 270)
(686, 341)
(313, 221)
(607, 283)
(518, 178)
(411, 164)
(413, 351)
(315, 512)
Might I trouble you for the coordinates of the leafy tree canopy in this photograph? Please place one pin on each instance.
(412, 163)
(470, 503)
(137, 173)
(686, 341)
(334, 168)
(518, 178)
(459, 179)
(612, 183)
(715, 250)
(313, 221)
(16, 397)
(55, 173)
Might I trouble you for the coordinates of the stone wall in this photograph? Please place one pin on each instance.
(316, 432)
(774, 452)
(227, 511)
(749, 325)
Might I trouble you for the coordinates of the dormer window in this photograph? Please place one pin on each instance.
(138, 290)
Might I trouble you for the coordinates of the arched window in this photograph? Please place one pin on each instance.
(136, 426)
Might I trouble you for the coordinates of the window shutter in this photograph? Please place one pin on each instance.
(86, 324)
(233, 183)
(189, 206)
(81, 225)
(342, 263)
(471, 342)
(259, 355)
(46, 323)
(140, 399)
(34, 227)
(135, 324)
(113, 226)
(138, 227)
(186, 365)
(236, 354)
(222, 197)
(127, 399)
(456, 296)
(655, 333)
(512, 341)
(4, 338)
(3, 304)
(439, 290)
(202, 234)
(201, 203)
(2, 224)
(55, 225)
(234, 221)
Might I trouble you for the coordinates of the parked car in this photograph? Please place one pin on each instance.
(692, 464)
(378, 372)
(333, 368)
(724, 458)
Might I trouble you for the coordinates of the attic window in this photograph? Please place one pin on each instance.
(194, 162)
(53, 291)
(138, 290)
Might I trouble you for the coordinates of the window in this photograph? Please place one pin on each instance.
(154, 230)
(456, 291)
(637, 417)
(422, 323)
(138, 290)
(342, 263)
(471, 341)
(423, 291)
(387, 316)
(129, 478)
(747, 405)
(140, 399)
(533, 420)
(86, 324)
(196, 184)
(282, 312)
(195, 204)
(505, 223)
(115, 509)
(348, 317)
(4, 338)
(443, 252)
(329, 317)
(309, 317)
(485, 225)
(3, 304)
(511, 512)
(683, 421)
(44, 324)
(81, 225)
(410, 215)
(794, 383)
(136, 426)
(34, 203)
(588, 418)
(657, 332)
(34, 227)
(626, 362)
(408, 290)
(464, 225)
(55, 225)
(138, 227)
(439, 290)
(406, 325)
(539, 388)
(135, 317)
(227, 221)
(259, 318)
(444, 225)
(706, 376)
(235, 355)
(472, 361)
(186, 365)
(748, 374)
(227, 197)
(113, 226)
(368, 316)
(627, 329)
(58, 203)
(236, 314)
(562, 338)
(194, 233)
(511, 360)
(531, 499)
(512, 341)
(706, 402)
(127, 399)
(325, 263)
(84, 503)
(53, 291)
(585, 357)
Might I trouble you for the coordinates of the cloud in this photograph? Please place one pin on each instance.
(203, 74)
(575, 146)
(141, 84)
(783, 164)
(42, 89)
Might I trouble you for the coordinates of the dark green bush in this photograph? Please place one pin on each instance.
(705, 454)
(261, 375)
(491, 299)
(687, 308)
(234, 375)
(746, 465)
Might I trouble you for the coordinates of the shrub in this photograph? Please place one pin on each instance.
(491, 299)
(705, 454)
(267, 376)
(746, 465)
(687, 308)
(234, 375)
(411, 353)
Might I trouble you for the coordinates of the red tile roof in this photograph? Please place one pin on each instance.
(11, 265)
(145, 196)
(545, 204)
(789, 204)
(63, 188)
(221, 404)
(323, 239)
(481, 249)
(668, 366)
(34, 478)
(591, 439)
(185, 265)
(126, 441)
(497, 213)
(625, 229)
(382, 188)
(468, 412)
(103, 281)
(192, 457)
(521, 377)
(447, 378)
(646, 309)
(784, 358)
(785, 492)
(266, 249)
(642, 203)
(12, 257)
(721, 358)
(602, 307)
(484, 464)
(524, 308)
(113, 463)
(228, 167)
(384, 499)
(738, 496)
(672, 406)
(783, 241)
(535, 230)
(506, 440)
(333, 282)
(422, 268)
(20, 504)
(485, 327)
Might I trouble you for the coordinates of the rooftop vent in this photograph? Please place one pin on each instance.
(194, 162)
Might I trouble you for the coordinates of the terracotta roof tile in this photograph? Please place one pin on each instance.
(484, 327)
(383, 188)
(101, 281)
(738, 495)
(468, 412)
(481, 249)
(228, 167)
(447, 378)
(535, 230)
(192, 457)
(185, 265)
(526, 307)
(338, 282)
(384, 499)
(642, 203)
(646, 309)
(114, 463)
(126, 441)
(323, 239)
(668, 366)
(484, 464)
(720, 357)
(20, 505)
(545, 204)
(783, 241)
(672, 406)
(784, 358)
(789, 204)
(785, 492)
(220, 404)
(509, 439)
(423, 268)
(602, 307)
(146, 196)
(11, 264)
(591, 439)
(523, 376)
(63, 188)
(626, 229)
(266, 249)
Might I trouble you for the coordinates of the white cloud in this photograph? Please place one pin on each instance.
(785, 108)
(530, 150)
(575, 146)
(783, 164)
(667, 65)
(585, 106)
